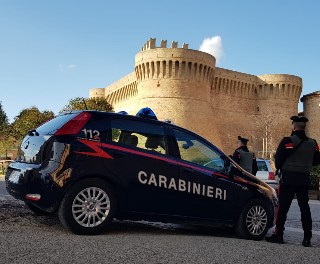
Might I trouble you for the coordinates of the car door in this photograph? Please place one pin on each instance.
(208, 192)
(139, 158)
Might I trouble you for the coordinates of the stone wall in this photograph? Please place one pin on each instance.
(186, 86)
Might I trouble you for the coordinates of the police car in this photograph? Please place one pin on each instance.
(91, 167)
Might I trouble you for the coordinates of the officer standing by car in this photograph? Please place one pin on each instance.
(245, 158)
(295, 157)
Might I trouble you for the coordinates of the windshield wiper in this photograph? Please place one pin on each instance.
(30, 132)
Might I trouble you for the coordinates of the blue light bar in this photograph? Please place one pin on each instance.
(123, 112)
(147, 113)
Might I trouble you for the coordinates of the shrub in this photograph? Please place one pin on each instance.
(314, 175)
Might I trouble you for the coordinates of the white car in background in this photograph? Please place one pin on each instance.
(266, 173)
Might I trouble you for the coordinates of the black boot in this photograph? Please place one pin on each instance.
(306, 242)
(275, 239)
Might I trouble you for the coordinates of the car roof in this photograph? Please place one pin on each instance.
(127, 116)
(138, 118)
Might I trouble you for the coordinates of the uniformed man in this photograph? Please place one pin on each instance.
(245, 158)
(295, 157)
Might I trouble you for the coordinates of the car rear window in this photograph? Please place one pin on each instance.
(139, 134)
(262, 166)
(51, 126)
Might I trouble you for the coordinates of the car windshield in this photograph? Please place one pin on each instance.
(262, 166)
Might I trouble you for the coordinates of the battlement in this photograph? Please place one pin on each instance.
(151, 44)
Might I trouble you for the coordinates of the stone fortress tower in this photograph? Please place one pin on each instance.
(185, 86)
(311, 110)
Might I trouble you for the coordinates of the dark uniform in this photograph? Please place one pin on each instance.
(245, 158)
(295, 166)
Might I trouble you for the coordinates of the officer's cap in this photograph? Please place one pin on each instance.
(299, 119)
(243, 140)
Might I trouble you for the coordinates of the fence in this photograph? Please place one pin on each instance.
(4, 165)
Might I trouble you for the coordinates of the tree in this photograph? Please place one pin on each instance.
(3, 119)
(6, 144)
(269, 131)
(28, 119)
(80, 103)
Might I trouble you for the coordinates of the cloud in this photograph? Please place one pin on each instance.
(213, 46)
(63, 66)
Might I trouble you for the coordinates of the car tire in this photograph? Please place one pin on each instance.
(88, 207)
(253, 221)
(35, 209)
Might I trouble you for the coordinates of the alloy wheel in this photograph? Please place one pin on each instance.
(91, 207)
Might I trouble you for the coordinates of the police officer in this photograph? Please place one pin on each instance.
(245, 158)
(294, 157)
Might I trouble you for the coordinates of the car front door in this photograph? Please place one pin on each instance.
(208, 192)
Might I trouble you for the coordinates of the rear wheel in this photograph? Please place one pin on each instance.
(88, 207)
(253, 221)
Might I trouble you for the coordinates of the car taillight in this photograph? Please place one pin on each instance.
(73, 126)
(271, 176)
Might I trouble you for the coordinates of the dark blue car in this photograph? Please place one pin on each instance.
(92, 166)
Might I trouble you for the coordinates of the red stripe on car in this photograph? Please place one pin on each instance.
(99, 152)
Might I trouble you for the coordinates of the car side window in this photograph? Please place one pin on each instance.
(139, 134)
(194, 150)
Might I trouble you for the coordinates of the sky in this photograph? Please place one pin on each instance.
(52, 51)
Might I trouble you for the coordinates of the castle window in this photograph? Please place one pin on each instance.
(183, 68)
(152, 69)
(189, 68)
(143, 71)
(148, 70)
(177, 69)
(164, 68)
(158, 69)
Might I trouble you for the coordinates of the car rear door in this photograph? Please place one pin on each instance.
(139, 159)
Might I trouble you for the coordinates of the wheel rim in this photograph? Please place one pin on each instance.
(256, 220)
(91, 207)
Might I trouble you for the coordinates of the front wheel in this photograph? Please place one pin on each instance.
(88, 207)
(253, 221)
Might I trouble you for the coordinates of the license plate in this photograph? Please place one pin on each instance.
(14, 176)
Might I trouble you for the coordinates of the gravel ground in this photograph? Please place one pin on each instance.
(27, 238)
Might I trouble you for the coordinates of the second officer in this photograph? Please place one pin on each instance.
(245, 158)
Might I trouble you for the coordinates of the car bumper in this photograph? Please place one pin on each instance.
(25, 179)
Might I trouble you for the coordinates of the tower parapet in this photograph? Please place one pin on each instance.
(277, 86)
(151, 44)
(176, 82)
(311, 110)
(97, 93)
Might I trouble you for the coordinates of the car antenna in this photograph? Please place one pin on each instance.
(84, 101)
